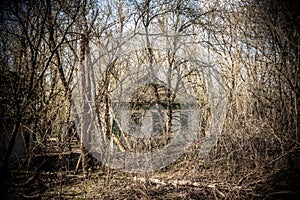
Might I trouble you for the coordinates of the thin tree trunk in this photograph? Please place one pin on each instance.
(85, 96)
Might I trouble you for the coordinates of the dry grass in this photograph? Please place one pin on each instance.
(247, 163)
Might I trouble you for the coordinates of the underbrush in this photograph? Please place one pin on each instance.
(249, 161)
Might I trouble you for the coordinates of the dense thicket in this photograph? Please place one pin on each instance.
(49, 47)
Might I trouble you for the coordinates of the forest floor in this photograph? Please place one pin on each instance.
(188, 178)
